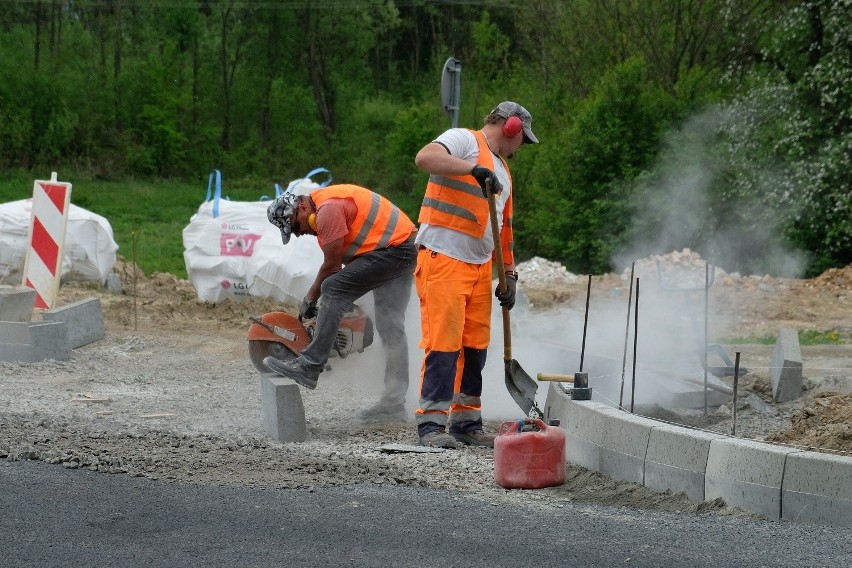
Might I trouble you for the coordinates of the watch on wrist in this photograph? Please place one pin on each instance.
(512, 274)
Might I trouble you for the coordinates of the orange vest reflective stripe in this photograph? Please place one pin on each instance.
(456, 202)
(379, 224)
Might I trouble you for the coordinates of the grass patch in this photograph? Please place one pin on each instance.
(806, 337)
(151, 213)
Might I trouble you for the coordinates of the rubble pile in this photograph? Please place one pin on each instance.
(541, 272)
(823, 424)
(545, 282)
(677, 269)
(835, 279)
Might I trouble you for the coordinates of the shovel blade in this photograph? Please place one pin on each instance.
(520, 385)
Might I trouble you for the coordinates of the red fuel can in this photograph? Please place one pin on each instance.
(529, 460)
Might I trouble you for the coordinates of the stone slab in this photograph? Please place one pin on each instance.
(746, 474)
(84, 319)
(785, 370)
(677, 460)
(582, 424)
(282, 409)
(16, 303)
(817, 489)
(15, 332)
(624, 444)
(33, 342)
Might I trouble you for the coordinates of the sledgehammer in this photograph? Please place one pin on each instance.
(580, 380)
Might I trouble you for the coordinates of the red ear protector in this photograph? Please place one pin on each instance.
(512, 127)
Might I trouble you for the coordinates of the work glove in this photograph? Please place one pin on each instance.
(485, 177)
(507, 298)
(308, 309)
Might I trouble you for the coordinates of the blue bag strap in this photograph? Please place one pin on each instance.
(278, 193)
(320, 170)
(218, 194)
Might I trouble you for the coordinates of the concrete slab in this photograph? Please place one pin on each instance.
(15, 332)
(624, 444)
(84, 319)
(785, 370)
(282, 408)
(677, 460)
(583, 426)
(50, 341)
(33, 342)
(16, 303)
(746, 474)
(817, 489)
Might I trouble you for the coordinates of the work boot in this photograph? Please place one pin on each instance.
(305, 376)
(474, 438)
(383, 412)
(438, 439)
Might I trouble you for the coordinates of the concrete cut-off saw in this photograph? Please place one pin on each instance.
(283, 336)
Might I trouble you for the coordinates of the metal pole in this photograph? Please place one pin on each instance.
(736, 382)
(626, 333)
(706, 294)
(585, 322)
(635, 341)
(133, 237)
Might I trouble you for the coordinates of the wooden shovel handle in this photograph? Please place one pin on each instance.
(501, 273)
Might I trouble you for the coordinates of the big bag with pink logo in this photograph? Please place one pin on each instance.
(224, 239)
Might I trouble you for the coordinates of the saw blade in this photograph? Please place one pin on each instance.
(260, 349)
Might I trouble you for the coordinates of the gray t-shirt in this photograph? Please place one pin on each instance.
(462, 144)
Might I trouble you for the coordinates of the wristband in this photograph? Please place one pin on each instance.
(512, 274)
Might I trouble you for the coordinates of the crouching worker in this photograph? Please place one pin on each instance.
(368, 245)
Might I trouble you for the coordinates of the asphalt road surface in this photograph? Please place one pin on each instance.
(57, 517)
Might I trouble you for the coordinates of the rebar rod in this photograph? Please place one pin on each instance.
(585, 322)
(635, 341)
(133, 237)
(736, 384)
(626, 334)
(706, 318)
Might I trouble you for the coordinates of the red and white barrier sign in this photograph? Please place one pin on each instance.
(42, 269)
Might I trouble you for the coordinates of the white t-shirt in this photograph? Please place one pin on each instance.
(462, 144)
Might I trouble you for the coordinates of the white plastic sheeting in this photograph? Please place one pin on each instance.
(89, 252)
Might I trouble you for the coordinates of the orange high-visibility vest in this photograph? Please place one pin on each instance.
(379, 224)
(456, 202)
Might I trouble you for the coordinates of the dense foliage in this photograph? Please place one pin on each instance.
(719, 125)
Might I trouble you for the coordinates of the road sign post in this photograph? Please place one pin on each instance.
(451, 89)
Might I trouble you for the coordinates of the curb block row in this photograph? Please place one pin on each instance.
(775, 481)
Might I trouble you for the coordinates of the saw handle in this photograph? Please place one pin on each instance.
(554, 377)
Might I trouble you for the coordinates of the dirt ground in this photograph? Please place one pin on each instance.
(170, 394)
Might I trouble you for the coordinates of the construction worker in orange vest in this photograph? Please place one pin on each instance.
(368, 245)
(454, 269)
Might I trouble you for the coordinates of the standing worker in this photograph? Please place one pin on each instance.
(453, 275)
(368, 245)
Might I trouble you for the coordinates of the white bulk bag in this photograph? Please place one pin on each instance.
(89, 251)
(224, 237)
(284, 272)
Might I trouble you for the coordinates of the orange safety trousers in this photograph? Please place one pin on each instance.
(455, 316)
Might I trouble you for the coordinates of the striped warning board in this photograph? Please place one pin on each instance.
(43, 266)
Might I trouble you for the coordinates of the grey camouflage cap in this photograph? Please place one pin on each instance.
(279, 213)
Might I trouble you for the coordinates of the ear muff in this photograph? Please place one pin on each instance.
(312, 221)
(512, 126)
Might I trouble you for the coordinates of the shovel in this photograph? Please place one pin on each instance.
(519, 384)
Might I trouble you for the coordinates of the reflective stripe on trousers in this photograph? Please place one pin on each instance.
(455, 315)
